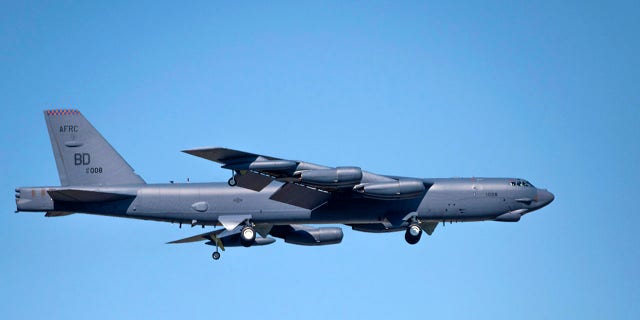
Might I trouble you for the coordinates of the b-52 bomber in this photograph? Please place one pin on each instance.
(266, 197)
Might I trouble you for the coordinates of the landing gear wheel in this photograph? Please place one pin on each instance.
(413, 234)
(215, 255)
(232, 181)
(247, 236)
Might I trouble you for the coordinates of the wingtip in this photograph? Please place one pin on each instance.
(201, 149)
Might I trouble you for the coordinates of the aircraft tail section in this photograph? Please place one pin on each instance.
(83, 156)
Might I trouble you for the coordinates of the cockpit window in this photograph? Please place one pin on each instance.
(520, 183)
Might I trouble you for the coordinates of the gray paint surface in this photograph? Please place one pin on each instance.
(269, 195)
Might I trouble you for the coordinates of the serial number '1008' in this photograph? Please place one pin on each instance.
(94, 170)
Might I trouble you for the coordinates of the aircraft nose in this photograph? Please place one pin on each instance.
(545, 197)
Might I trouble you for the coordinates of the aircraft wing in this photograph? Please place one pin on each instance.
(223, 238)
(201, 237)
(225, 156)
(291, 233)
(241, 161)
(253, 171)
(308, 185)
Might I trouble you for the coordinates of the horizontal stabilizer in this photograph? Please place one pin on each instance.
(74, 195)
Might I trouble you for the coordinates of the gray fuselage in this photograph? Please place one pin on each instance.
(455, 199)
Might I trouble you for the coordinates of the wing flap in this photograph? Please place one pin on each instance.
(253, 181)
(300, 196)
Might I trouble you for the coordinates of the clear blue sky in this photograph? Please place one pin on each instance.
(545, 91)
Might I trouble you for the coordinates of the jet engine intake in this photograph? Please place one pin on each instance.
(400, 189)
(338, 177)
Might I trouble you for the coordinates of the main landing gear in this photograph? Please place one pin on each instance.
(413, 234)
(232, 181)
(216, 254)
(247, 238)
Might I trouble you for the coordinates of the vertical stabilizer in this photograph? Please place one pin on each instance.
(82, 155)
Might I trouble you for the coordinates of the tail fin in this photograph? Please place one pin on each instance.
(82, 155)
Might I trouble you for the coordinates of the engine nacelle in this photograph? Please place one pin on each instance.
(375, 228)
(234, 241)
(263, 165)
(315, 237)
(338, 177)
(400, 189)
(307, 236)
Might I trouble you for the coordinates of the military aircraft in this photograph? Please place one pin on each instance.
(265, 197)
